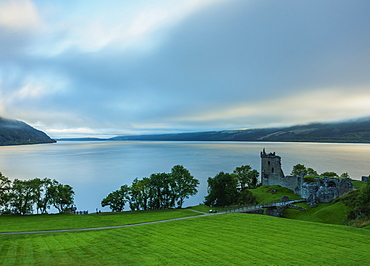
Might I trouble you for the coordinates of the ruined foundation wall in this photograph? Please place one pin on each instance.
(323, 190)
(294, 183)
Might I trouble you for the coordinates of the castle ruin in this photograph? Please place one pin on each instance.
(320, 190)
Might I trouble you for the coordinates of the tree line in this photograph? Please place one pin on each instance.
(227, 189)
(159, 191)
(300, 169)
(24, 196)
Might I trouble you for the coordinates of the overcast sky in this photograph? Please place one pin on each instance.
(116, 67)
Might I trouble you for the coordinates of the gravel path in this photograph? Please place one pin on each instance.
(107, 227)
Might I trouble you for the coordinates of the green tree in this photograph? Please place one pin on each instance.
(345, 175)
(241, 173)
(5, 185)
(116, 200)
(311, 172)
(60, 196)
(139, 194)
(183, 184)
(330, 174)
(246, 176)
(254, 179)
(161, 194)
(43, 201)
(298, 169)
(222, 190)
(245, 197)
(23, 196)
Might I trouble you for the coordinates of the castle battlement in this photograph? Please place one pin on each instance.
(323, 190)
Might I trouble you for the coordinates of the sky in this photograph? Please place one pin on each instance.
(120, 67)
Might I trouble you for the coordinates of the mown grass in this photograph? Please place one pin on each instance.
(229, 239)
(324, 213)
(205, 208)
(357, 184)
(13, 223)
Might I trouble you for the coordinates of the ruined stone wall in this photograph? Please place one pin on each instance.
(323, 190)
(293, 183)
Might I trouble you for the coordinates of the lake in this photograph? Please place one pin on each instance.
(94, 169)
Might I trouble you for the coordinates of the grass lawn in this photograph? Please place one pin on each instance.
(272, 193)
(229, 239)
(13, 223)
(323, 213)
(357, 184)
(205, 208)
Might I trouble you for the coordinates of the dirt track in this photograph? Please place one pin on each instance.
(106, 227)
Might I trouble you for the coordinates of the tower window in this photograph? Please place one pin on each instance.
(272, 169)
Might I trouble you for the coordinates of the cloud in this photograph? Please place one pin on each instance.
(19, 15)
(19, 23)
(187, 65)
(320, 105)
(136, 25)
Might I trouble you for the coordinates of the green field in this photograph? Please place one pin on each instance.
(14, 223)
(211, 240)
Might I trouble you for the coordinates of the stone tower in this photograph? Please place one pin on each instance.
(271, 172)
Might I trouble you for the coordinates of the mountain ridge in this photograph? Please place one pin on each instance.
(357, 131)
(14, 132)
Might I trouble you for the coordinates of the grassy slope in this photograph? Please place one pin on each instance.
(213, 240)
(357, 184)
(70, 221)
(265, 193)
(323, 213)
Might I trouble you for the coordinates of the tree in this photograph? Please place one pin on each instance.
(246, 176)
(24, 194)
(345, 175)
(311, 172)
(222, 190)
(241, 173)
(60, 196)
(161, 194)
(330, 174)
(162, 190)
(43, 201)
(139, 194)
(245, 197)
(183, 184)
(298, 169)
(116, 200)
(254, 179)
(5, 185)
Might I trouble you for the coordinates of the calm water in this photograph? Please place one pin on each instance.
(95, 169)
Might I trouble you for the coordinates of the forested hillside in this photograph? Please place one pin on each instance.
(13, 132)
(351, 132)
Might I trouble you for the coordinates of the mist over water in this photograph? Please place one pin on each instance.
(95, 169)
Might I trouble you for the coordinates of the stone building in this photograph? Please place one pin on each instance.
(317, 190)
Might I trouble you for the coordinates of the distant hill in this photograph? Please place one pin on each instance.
(351, 132)
(13, 132)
